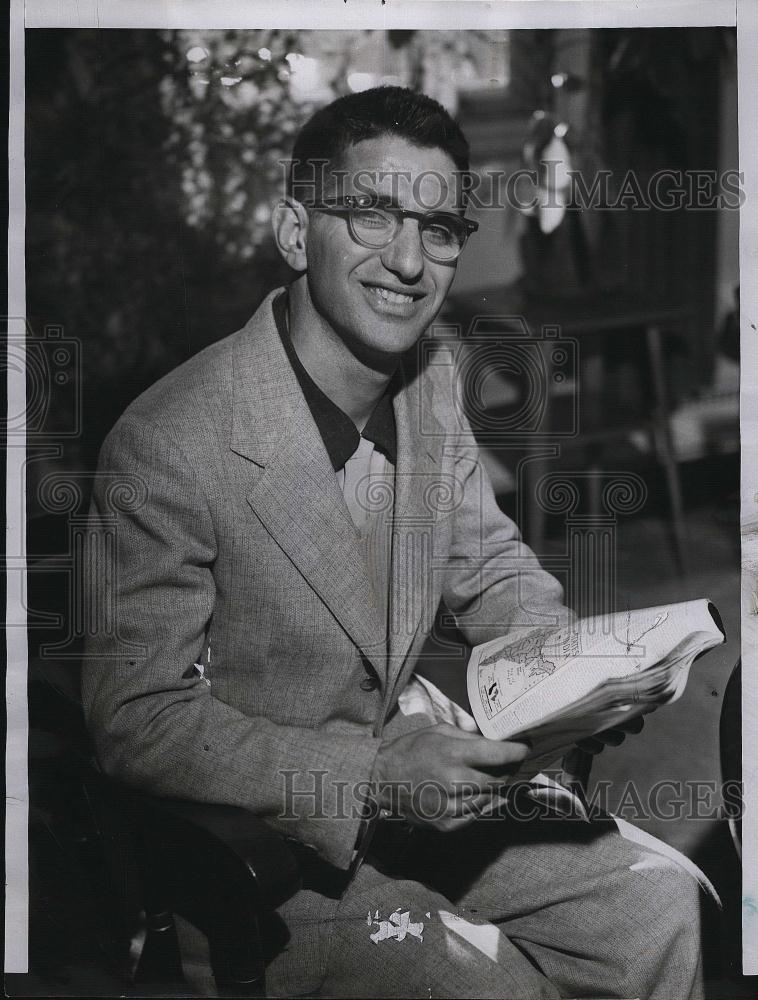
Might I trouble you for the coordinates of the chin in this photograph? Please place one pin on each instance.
(398, 345)
(398, 335)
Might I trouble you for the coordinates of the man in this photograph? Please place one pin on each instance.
(311, 495)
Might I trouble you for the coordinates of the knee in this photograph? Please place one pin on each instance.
(665, 958)
(670, 901)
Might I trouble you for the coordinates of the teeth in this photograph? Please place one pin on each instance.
(388, 296)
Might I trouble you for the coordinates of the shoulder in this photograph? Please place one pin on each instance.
(176, 396)
(197, 395)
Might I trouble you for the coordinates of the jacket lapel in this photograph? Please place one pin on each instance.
(418, 491)
(296, 496)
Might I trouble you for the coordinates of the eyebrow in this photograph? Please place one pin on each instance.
(386, 201)
(382, 200)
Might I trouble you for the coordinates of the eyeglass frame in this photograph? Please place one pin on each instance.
(348, 203)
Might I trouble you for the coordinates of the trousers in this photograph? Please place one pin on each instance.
(543, 908)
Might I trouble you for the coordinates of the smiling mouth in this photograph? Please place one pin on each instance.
(389, 296)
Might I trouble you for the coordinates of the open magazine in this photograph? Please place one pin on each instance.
(592, 675)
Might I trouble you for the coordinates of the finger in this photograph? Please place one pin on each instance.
(445, 729)
(474, 804)
(464, 734)
(591, 745)
(611, 737)
(489, 783)
(469, 807)
(633, 725)
(467, 782)
(494, 755)
(463, 799)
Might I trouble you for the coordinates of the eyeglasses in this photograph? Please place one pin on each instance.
(443, 234)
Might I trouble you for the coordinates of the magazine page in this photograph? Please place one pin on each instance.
(514, 684)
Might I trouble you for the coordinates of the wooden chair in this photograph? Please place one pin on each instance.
(220, 867)
(138, 859)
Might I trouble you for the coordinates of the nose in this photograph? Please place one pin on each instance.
(404, 256)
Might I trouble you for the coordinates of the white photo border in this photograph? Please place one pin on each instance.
(455, 14)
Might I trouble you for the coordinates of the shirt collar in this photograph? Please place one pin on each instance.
(337, 430)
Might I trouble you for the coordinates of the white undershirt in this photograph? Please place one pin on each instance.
(367, 482)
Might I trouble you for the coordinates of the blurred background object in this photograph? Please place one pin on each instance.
(153, 159)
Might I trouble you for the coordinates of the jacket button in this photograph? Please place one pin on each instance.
(369, 684)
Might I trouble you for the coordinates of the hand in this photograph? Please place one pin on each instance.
(611, 737)
(441, 776)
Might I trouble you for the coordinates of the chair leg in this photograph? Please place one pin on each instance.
(160, 958)
(238, 965)
(664, 445)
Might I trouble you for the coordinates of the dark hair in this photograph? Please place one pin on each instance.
(396, 111)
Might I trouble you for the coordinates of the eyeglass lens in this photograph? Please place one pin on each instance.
(441, 238)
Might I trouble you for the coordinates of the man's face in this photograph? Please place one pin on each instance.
(380, 301)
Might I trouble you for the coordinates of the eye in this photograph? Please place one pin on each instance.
(371, 218)
(440, 233)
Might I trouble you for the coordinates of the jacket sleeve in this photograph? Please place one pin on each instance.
(153, 718)
(493, 582)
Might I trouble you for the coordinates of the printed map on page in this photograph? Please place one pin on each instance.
(510, 669)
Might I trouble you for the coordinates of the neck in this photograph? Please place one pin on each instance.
(354, 384)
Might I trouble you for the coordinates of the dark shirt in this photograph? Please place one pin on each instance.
(338, 432)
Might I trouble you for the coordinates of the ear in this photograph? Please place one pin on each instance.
(290, 223)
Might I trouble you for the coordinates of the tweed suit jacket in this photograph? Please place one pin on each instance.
(242, 541)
